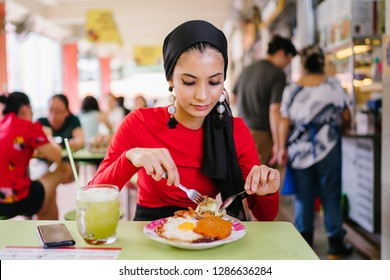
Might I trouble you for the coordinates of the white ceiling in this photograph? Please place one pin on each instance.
(139, 22)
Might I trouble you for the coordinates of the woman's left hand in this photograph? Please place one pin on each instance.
(262, 180)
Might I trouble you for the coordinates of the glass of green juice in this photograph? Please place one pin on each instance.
(97, 213)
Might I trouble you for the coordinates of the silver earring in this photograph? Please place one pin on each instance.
(221, 108)
(220, 123)
(172, 122)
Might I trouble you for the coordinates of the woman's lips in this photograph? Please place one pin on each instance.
(201, 107)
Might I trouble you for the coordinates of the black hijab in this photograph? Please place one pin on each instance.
(220, 161)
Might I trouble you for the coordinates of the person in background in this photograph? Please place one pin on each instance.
(139, 102)
(222, 157)
(91, 116)
(314, 112)
(121, 103)
(258, 93)
(19, 138)
(1, 111)
(59, 124)
(115, 112)
(62, 123)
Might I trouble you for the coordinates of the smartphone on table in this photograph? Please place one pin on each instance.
(55, 235)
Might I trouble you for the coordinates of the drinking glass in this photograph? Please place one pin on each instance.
(98, 213)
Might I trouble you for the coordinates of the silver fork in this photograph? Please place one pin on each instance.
(194, 195)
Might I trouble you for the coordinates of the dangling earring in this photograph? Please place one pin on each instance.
(172, 122)
(221, 109)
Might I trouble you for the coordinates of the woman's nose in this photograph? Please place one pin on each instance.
(201, 92)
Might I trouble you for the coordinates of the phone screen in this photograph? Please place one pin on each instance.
(55, 235)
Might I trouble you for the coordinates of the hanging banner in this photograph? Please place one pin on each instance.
(147, 55)
(101, 27)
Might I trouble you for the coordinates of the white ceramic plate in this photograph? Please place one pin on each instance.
(238, 231)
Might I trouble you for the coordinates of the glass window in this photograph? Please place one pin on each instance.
(34, 67)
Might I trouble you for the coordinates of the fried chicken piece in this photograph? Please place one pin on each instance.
(214, 227)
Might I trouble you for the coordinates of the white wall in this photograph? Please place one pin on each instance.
(385, 237)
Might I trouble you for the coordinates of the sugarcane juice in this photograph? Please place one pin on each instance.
(98, 213)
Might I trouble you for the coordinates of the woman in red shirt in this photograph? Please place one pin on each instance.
(19, 137)
(202, 147)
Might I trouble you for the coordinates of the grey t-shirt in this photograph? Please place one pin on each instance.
(258, 86)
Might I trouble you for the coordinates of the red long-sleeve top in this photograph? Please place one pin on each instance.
(147, 128)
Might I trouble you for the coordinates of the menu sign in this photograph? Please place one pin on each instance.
(64, 253)
(340, 21)
(101, 27)
(362, 14)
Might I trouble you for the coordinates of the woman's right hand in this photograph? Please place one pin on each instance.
(156, 162)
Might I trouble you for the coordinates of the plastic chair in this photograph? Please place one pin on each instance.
(7, 217)
(132, 189)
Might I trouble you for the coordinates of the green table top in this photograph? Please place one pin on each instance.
(263, 240)
(83, 155)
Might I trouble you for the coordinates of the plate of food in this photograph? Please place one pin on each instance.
(194, 230)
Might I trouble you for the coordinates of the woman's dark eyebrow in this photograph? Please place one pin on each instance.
(192, 76)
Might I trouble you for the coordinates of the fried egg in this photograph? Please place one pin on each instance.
(181, 228)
